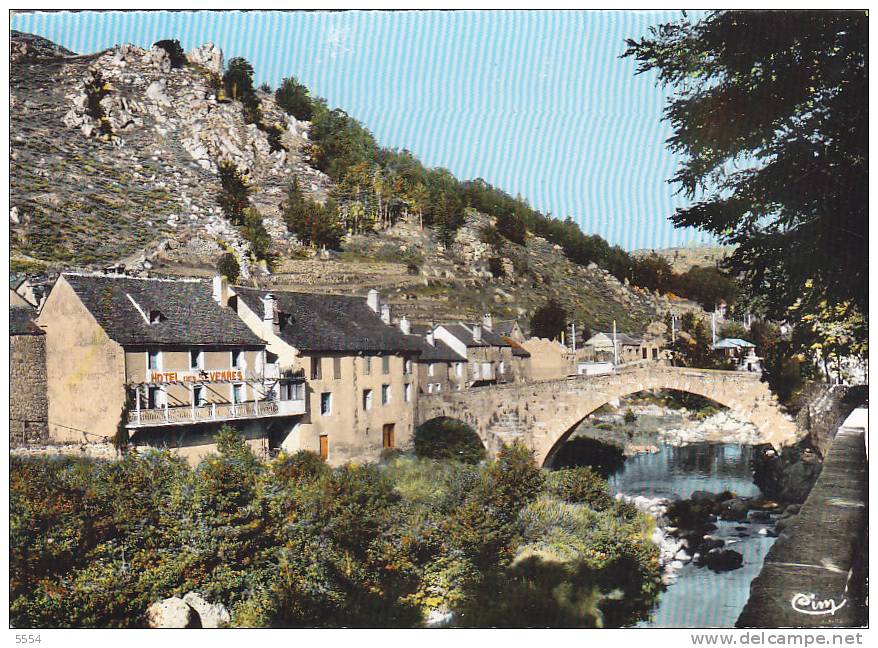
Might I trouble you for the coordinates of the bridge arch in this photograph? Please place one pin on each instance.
(538, 414)
(552, 454)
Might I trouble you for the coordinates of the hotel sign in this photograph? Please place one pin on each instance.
(224, 375)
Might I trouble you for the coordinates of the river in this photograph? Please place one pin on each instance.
(700, 597)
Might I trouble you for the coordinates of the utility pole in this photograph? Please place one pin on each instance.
(573, 334)
(673, 328)
(615, 346)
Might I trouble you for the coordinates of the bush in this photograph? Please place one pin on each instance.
(580, 486)
(174, 50)
(495, 266)
(630, 417)
(445, 438)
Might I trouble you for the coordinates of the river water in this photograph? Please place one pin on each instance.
(700, 597)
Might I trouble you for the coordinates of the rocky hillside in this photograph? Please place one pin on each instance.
(144, 179)
(138, 186)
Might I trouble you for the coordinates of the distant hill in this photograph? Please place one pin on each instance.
(683, 258)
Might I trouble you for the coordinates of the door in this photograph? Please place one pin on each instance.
(387, 435)
(324, 446)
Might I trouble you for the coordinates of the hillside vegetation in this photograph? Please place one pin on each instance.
(170, 162)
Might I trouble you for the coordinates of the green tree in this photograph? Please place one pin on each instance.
(770, 117)
(228, 267)
(312, 223)
(234, 196)
(294, 99)
(238, 84)
(548, 320)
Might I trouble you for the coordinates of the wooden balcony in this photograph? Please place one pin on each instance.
(213, 413)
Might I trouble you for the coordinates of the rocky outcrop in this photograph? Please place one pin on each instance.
(172, 612)
(115, 152)
(191, 611)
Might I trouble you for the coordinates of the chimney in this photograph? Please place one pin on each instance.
(373, 300)
(269, 311)
(404, 325)
(488, 322)
(385, 313)
(220, 290)
(477, 332)
(431, 340)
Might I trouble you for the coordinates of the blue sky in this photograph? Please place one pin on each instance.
(536, 103)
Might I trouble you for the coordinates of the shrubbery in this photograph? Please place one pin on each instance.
(294, 543)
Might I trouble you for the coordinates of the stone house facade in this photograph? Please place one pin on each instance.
(440, 368)
(161, 362)
(359, 371)
(28, 405)
(489, 357)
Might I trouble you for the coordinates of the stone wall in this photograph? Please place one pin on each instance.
(28, 404)
(814, 575)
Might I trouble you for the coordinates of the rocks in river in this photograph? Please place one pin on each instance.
(710, 543)
(734, 509)
(760, 516)
(703, 497)
(723, 560)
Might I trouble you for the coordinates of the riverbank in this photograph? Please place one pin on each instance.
(637, 427)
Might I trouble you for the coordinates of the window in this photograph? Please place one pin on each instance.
(430, 369)
(385, 365)
(196, 359)
(502, 366)
(655, 354)
(438, 387)
(429, 388)
(290, 390)
(367, 399)
(154, 359)
(237, 359)
(407, 393)
(153, 397)
(644, 353)
(385, 394)
(315, 368)
(367, 365)
(325, 403)
(198, 397)
(460, 369)
(155, 316)
(407, 367)
(237, 394)
(336, 368)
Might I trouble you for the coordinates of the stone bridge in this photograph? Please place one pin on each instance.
(543, 414)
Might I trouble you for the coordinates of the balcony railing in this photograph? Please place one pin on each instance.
(187, 414)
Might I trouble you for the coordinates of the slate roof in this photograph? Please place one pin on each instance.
(622, 338)
(21, 322)
(191, 316)
(438, 352)
(464, 333)
(331, 323)
(504, 327)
